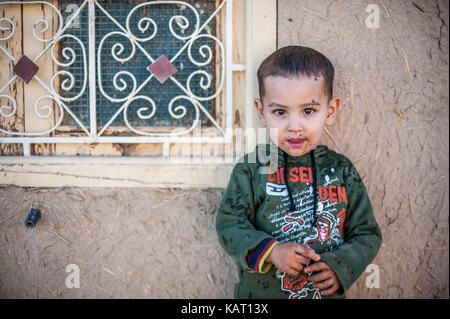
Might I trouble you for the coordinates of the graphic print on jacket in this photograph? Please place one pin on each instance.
(324, 234)
(256, 210)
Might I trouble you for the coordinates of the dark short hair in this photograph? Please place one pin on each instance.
(297, 60)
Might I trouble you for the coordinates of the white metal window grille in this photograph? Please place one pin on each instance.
(105, 50)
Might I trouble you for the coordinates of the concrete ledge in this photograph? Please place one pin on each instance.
(114, 172)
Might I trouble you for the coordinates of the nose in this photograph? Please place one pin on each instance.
(295, 123)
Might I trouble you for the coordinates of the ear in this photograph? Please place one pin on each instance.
(333, 107)
(259, 111)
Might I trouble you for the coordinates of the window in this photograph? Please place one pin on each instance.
(160, 30)
(97, 83)
(155, 69)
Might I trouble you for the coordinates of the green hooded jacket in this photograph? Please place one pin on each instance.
(259, 209)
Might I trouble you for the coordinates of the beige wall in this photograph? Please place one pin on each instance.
(393, 84)
(161, 243)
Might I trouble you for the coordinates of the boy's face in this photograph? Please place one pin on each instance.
(298, 109)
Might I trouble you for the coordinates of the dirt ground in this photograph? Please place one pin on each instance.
(161, 243)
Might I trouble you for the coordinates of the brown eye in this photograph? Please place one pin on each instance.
(308, 111)
(279, 112)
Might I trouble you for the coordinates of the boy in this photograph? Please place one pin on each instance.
(305, 230)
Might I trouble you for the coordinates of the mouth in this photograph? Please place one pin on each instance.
(295, 142)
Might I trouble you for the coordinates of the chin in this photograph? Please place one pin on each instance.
(297, 152)
(294, 152)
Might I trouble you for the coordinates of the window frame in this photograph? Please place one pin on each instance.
(259, 18)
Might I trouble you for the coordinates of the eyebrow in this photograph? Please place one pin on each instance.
(274, 104)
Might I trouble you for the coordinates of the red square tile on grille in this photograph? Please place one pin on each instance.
(162, 69)
(25, 69)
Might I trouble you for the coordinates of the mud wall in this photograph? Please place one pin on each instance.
(393, 124)
(161, 243)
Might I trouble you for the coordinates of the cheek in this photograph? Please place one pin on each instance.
(275, 120)
(317, 128)
(275, 133)
(317, 131)
(272, 121)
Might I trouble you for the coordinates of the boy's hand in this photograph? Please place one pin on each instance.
(326, 279)
(291, 257)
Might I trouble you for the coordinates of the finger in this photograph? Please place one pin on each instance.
(291, 271)
(316, 267)
(325, 284)
(301, 260)
(321, 276)
(306, 251)
(296, 267)
(330, 291)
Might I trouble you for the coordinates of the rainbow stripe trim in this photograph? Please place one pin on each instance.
(257, 257)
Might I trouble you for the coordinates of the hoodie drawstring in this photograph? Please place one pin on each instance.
(314, 172)
(291, 199)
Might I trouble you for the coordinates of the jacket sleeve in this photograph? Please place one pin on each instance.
(236, 215)
(362, 235)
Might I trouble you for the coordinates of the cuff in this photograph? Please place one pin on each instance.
(257, 257)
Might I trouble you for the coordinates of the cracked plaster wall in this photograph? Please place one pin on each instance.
(393, 124)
